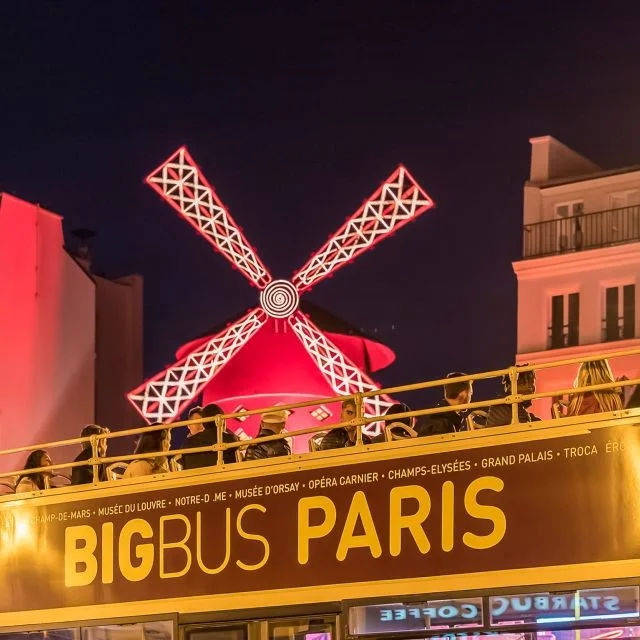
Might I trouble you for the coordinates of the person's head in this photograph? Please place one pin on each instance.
(348, 412)
(95, 430)
(394, 409)
(36, 459)
(210, 411)
(592, 373)
(150, 441)
(526, 382)
(274, 420)
(195, 427)
(397, 424)
(458, 392)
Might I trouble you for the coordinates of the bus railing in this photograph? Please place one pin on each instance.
(513, 399)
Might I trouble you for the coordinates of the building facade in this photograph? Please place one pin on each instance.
(579, 274)
(70, 342)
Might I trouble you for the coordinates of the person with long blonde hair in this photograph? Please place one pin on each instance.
(592, 373)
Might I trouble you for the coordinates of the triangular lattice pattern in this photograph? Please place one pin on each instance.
(343, 376)
(166, 394)
(398, 201)
(180, 182)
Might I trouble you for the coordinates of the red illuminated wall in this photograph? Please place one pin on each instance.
(47, 327)
(275, 368)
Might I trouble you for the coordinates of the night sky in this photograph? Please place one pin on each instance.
(296, 112)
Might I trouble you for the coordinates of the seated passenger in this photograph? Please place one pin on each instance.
(500, 414)
(344, 436)
(399, 427)
(34, 481)
(592, 373)
(84, 474)
(205, 434)
(149, 442)
(272, 423)
(455, 393)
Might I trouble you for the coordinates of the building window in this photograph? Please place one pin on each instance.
(321, 413)
(240, 409)
(567, 209)
(568, 229)
(623, 199)
(565, 315)
(619, 321)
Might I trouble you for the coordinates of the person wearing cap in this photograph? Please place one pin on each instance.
(273, 422)
(205, 434)
(341, 437)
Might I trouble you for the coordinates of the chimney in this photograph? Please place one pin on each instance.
(551, 159)
(81, 249)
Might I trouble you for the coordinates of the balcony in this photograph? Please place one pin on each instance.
(578, 233)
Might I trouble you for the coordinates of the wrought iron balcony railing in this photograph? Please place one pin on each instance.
(577, 233)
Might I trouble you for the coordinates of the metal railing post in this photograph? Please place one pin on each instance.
(94, 457)
(219, 430)
(359, 401)
(513, 379)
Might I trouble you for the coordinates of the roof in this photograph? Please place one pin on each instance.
(366, 352)
(324, 319)
(584, 177)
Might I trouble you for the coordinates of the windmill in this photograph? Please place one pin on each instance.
(277, 320)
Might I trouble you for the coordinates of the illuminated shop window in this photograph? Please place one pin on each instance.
(311, 628)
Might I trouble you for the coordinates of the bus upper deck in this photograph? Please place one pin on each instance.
(531, 507)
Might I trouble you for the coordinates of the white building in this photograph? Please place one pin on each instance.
(580, 269)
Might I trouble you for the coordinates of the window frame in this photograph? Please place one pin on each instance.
(570, 332)
(625, 329)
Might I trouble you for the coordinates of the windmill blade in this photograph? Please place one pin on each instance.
(181, 183)
(341, 373)
(399, 200)
(164, 396)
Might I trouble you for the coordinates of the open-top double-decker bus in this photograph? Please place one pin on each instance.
(529, 531)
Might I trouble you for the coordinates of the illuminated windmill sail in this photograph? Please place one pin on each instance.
(179, 181)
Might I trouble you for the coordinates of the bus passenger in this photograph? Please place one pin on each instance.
(455, 393)
(272, 423)
(35, 481)
(148, 442)
(344, 436)
(84, 474)
(500, 414)
(399, 427)
(592, 373)
(205, 434)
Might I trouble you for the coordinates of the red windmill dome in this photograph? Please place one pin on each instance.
(273, 353)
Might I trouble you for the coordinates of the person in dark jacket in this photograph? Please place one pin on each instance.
(205, 434)
(344, 436)
(400, 427)
(500, 414)
(84, 474)
(272, 423)
(455, 393)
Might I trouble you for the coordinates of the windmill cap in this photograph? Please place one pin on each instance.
(274, 417)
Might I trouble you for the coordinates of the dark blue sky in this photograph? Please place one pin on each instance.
(296, 112)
